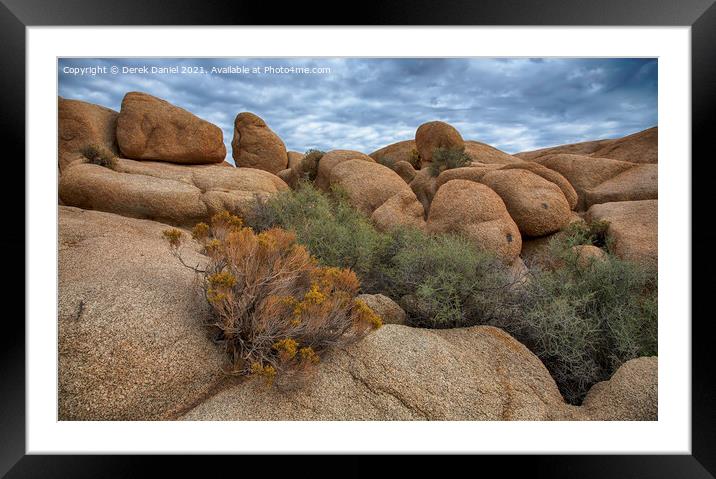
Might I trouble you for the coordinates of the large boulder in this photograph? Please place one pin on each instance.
(403, 373)
(131, 341)
(630, 395)
(330, 160)
(476, 211)
(436, 134)
(389, 311)
(149, 128)
(638, 183)
(538, 206)
(255, 145)
(175, 194)
(584, 172)
(367, 184)
(400, 151)
(471, 173)
(401, 209)
(484, 153)
(550, 175)
(82, 124)
(641, 147)
(633, 225)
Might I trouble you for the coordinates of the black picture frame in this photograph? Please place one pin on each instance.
(700, 15)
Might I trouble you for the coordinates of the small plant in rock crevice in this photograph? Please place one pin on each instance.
(446, 159)
(99, 155)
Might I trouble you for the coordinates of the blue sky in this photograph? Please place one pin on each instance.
(364, 104)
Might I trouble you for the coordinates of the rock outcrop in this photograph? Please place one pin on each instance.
(400, 151)
(633, 225)
(630, 395)
(401, 209)
(584, 172)
(175, 194)
(436, 134)
(255, 145)
(403, 373)
(330, 160)
(484, 153)
(388, 310)
(640, 182)
(149, 128)
(367, 184)
(537, 206)
(641, 147)
(473, 209)
(131, 341)
(81, 124)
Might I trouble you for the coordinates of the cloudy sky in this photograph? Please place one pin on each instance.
(364, 104)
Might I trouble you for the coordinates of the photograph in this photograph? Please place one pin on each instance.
(357, 239)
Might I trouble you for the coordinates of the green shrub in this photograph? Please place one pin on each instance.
(583, 233)
(585, 322)
(387, 161)
(443, 281)
(446, 159)
(333, 231)
(309, 165)
(99, 155)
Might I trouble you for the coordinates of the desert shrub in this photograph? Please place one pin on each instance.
(585, 322)
(446, 159)
(584, 233)
(444, 281)
(387, 161)
(308, 169)
(99, 155)
(414, 159)
(274, 310)
(333, 231)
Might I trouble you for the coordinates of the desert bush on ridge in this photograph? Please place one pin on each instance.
(446, 159)
(273, 309)
(308, 170)
(583, 323)
(99, 155)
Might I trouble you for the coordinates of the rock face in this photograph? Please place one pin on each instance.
(400, 151)
(638, 183)
(630, 395)
(294, 159)
(367, 184)
(388, 310)
(584, 172)
(473, 209)
(549, 175)
(538, 206)
(471, 173)
(131, 341)
(587, 254)
(81, 124)
(634, 227)
(641, 147)
(424, 185)
(333, 158)
(149, 128)
(255, 146)
(436, 134)
(484, 153)
(402, 373)
(401, 209)
(583, 148)
(175, 194)
(405, 170)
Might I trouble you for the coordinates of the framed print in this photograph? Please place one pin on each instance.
(280, 239)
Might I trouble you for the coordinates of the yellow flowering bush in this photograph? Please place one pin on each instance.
(274, 308)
